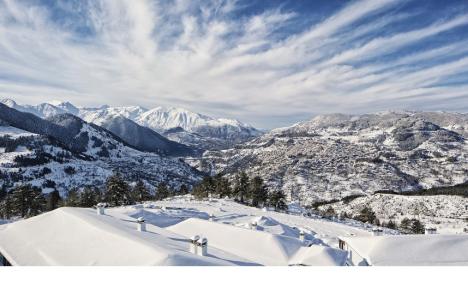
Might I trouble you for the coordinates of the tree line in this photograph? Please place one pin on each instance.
(249, 191)
(367, 215)
(26, 200)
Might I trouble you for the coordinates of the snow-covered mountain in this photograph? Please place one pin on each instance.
(198, 130)
(180, 125)
(334, 156)
(43, 110)
(116, 121)
(64, 151)
(146, 139)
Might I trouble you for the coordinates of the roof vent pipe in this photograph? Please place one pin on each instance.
(302, 235)
(100, 208)
(202, 247)
(194, 244)
(253, 225)
(377, 232)
(141, 224)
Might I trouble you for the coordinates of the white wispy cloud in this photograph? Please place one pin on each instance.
(206, 56)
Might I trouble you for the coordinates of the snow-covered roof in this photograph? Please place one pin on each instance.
(411, 250)
(78, 236)
(259, 246)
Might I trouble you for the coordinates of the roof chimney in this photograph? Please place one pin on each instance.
(141, 225)
(202, 247)
(377, 232)
(302, 235)
(194, 243)
(253, 225)
(430, 230)
(100, 208)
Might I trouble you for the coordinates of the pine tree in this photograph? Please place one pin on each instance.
(258, 191)
(183, 190)
(117, 191)
(277, 200)
(241, 186)
(222, 186)
(140, 193)
(38, 205)
(73, 198)
(162, 191)
(6, 209)
(391, 224)
(405, 225)
(88, 197)
(22, 200)
(417, 227)
(99, 196)
(366, 215)
(53, 201)
(329, 212)
(205, 187)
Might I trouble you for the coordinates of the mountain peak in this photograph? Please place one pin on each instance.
(9, 102)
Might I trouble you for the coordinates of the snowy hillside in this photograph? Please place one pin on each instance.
(65, 152)
(198, 131)
(449, 214)
(334, 156)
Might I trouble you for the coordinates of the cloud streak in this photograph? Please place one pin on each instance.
(212, 57)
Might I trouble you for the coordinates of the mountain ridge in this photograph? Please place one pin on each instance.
(65, 152)
(333, 156)
(200, 131)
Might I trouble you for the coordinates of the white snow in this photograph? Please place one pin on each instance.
(14, 132)
(78, 236)
(174, 210)
(444, 212)
(411, 250)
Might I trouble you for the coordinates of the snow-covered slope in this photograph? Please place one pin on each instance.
(198, 131)
(448, 214)
(334, 156)
(66, 152)
(195, 129)
(116, 121)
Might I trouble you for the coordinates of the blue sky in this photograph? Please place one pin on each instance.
(268, 63)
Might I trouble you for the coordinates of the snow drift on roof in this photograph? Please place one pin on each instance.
(258, 246)
(78, 236)
(412, 250)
